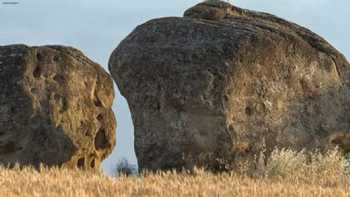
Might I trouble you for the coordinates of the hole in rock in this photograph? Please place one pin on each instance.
(99, 117)
(57, 97)
(226, 98)
(59, 79)
(56, 58)
(92, 163)
(34, 90)
(81, 163)
(39, 56)
(98, 102)
(101, 141)
(64, 104)
(249, 111)
(37, 72)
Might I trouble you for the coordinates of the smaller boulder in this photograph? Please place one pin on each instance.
(55, 108)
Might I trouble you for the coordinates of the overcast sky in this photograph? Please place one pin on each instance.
(97, 26)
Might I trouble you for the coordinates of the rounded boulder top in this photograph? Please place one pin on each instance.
(210, 10)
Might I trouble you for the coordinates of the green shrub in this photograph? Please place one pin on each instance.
(124, 168)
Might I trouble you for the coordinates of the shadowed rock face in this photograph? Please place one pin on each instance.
(55, 108)
(223, 83)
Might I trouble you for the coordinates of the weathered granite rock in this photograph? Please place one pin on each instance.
(223, 83)
(55, 108)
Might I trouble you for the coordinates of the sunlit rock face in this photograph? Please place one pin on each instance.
(55, 108)
(224, 83)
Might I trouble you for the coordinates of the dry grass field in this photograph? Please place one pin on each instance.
(285, 173)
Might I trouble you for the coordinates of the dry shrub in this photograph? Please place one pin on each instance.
(308, 167)
(281, 164)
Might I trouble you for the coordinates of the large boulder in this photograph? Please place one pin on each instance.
(55, 108)
(222, 83)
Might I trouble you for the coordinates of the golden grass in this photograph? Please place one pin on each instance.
(322, 175)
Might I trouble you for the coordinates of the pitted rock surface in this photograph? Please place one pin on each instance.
(55, 108)
(224, 83)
